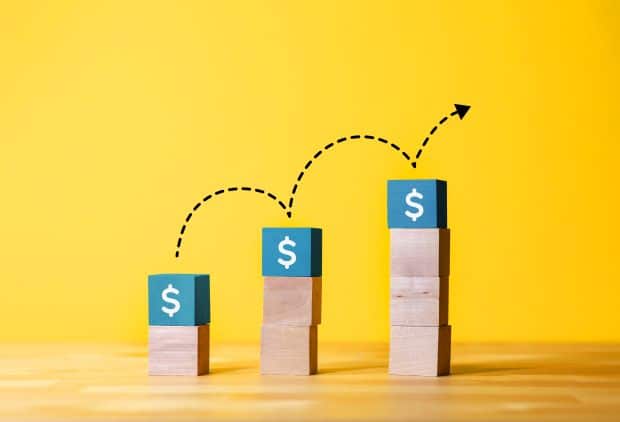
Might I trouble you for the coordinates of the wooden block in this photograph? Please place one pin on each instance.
(288, 350)
(417, 203)
(178, 350)
(419, 252)
(179, 299)
(421, 301)
(302, 256)
(292, 301)
(421, 351)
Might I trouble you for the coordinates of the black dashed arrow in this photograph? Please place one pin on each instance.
(459, 110)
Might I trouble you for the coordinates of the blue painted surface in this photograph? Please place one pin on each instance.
(433, 204)
(308, 250)
(194, 298)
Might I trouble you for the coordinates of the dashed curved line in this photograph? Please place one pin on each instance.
(443, 120)
(218, 192)
(328, 147)
(394, 146)
(300, 176)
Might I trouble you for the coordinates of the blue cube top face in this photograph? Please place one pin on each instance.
(417, 204)
(179, 299)
(292, 252)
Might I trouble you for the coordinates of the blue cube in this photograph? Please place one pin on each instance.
(417, 204)
(179, 299)
(292, 252)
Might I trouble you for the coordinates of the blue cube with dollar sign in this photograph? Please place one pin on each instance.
(179, 299)
(417, 204)
(292, 252)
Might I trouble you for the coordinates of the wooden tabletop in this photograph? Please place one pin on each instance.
(489, 382)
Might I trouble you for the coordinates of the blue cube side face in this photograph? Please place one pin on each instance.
(417, 204)
(179, 299)
(292, 252)
(202, 299)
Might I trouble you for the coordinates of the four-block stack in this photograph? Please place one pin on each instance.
(179, 317)
(419, 268)
(292, 268)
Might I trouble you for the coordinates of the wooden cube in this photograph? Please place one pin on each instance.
(421, 351)
(288, 350)
(428, 207)
(419, 252)
(419, 301)
(179, 299)
(292, 301)
(178, 350)
(306, 243)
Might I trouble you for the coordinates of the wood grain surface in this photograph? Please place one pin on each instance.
(423, 351)
(178, 350)
(288, 350)
(419, 252)
(419, 301)
(292, 301)
(69, 382)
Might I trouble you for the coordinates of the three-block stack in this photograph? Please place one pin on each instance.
(292, 270)
(419, 269)
(179, 317)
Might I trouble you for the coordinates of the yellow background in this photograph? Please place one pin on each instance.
(116, 117)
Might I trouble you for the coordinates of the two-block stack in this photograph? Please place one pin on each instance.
(419, 268)
(292, 270)
(179, 317)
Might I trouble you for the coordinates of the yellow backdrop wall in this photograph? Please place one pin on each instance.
(117, 117)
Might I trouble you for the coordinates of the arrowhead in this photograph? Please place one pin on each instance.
(461, 110)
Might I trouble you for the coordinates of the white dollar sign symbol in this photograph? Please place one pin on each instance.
(292, 256)
(409, 200)
(176, 305)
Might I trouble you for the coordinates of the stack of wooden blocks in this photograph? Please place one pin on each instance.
(179, 317)
(292, 271)
(419, 268)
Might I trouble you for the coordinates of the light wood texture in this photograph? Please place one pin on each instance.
(419, 252)
(423, 351)
(288, 350)
(178, 350)
(518, 382)
(419, 301)
(292, 301)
